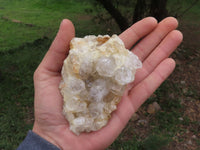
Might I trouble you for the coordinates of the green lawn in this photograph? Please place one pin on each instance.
(16, 92)
(22, 47)
(40, 19)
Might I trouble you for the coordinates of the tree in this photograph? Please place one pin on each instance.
(115, 13)
(156, 8)
(141, 9)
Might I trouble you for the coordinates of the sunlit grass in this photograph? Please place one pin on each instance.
(43, 19)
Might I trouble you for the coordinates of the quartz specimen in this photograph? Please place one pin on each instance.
(94, 76)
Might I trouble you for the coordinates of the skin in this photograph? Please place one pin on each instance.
(156, 42)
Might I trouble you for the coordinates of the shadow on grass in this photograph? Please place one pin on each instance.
(16, 90)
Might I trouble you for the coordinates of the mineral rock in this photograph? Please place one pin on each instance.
(94, 76)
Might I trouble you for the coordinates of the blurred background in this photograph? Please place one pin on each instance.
(170, 118)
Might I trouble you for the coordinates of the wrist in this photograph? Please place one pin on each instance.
(45, 135)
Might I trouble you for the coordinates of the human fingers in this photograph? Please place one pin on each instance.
(59, 48)
(147, 45)
(145, 88)
(137, 31)
(129, 104)
(161, 52)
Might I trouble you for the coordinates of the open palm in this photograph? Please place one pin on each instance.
(156, 42)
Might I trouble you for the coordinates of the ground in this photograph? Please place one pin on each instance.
(187, 75)
(183, 92)
(24, 39)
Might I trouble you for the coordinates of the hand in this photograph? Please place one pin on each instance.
(159, 40)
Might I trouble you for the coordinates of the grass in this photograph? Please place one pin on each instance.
(163, 125)
(44, 18)
(166, 120)
(152, 142)
(11, 38)
(22, 47)
(190, 15)
(17, 91)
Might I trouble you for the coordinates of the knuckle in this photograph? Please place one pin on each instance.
(36, 74)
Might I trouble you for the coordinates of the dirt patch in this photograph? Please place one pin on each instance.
(191, 33)
(17, 21)
(188, 138)
(85, 17)
(186, 77)
(30, 115)
(193, 111)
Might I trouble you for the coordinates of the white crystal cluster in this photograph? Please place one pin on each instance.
(94, 76)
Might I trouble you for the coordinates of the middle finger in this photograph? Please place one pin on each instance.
(149, 43)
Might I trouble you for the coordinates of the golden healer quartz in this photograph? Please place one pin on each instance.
(94, 76)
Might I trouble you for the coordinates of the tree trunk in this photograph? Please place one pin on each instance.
(158, 9)
(140, 9)
(115, 13)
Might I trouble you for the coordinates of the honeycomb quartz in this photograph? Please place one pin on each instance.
(94, 76)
